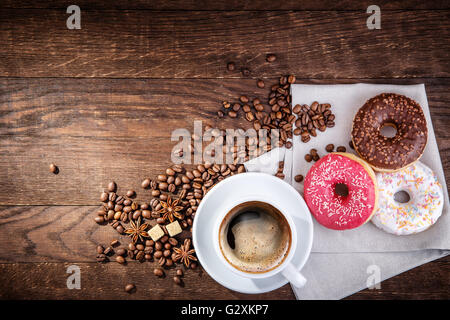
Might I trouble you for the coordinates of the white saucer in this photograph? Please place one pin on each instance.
(248, 184)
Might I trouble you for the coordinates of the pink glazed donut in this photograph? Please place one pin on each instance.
(341, 191)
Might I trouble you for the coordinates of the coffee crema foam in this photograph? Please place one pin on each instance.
(255, 237)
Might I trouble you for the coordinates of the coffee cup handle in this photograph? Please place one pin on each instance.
(291, 273)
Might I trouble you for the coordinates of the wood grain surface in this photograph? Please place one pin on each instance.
(197, 44)
(101, 103)
(208, 5)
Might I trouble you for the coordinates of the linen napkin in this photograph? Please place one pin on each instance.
(344, 262)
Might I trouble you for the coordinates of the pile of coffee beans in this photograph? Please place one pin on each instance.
(312, 118)
(277, 114)
(189, 186)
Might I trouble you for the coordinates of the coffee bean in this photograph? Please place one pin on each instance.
(231, 66)
(162, 177)
(112, 186)
(164, 239)
(173, 241)
(280, 175)
(291, 79)
(316, 157)
(260, 83)
(120, 259)
(100, 249)
(104, 197)
(140, 246)
(288, 144)
(329, 147)
(140, 256)
(177, 280)
(232, 114)
(129, 288)
(108, 251)
(147, 214)
(193, 265)
(308, 157)
(271, 57)
(341, 149)
(146, 183)
(162, 261)
(121, 252)
(169, 262)
(245, 72)
(243, 99)
(131, 193)
(114, 243)
(102, 258)
(158, 245)
(220, 114)
(313, 152)
(53, 169)
(120, 229)
(158, 272)
(99, 220)
(298, 178)
(179, 272)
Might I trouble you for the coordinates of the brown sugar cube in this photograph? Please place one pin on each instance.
(156, 232)
(173, 228)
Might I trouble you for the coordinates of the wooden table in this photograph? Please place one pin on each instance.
(101, 103)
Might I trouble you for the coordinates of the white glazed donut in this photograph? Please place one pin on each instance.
(420, 212)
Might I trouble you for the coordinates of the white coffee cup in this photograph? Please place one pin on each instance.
(285, 268)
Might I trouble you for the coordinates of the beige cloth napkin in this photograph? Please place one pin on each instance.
(344, 262)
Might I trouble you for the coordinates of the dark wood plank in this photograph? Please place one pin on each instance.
(324, 5)
(107, 281)
(198, 44)
(96, 130)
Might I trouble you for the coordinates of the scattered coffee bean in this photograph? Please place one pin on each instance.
(329, 147)
(121, 252)
(99, 220)
(104, 197)
(177, 280)
(129, 288)
(146, 183)
(100, 249)
(298, 178)
(131, 193)
(271, 57)
(179, 272)
(120, 259)
(231, 66)
(316, 157)
(158, 272)
(308, 157)
(260, 83)
(341, 149)
(245, 72)
(54, 169)
(313, 152)
(112, 186)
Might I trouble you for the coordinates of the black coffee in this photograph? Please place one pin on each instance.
(255, 237)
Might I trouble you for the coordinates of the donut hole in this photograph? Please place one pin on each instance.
(402, 196)
(388, 130)
(341, 189)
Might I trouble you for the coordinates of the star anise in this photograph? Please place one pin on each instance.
(137, 230)
(170, 209)
(184, 253)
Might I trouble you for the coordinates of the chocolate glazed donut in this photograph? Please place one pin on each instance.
(390, 153)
